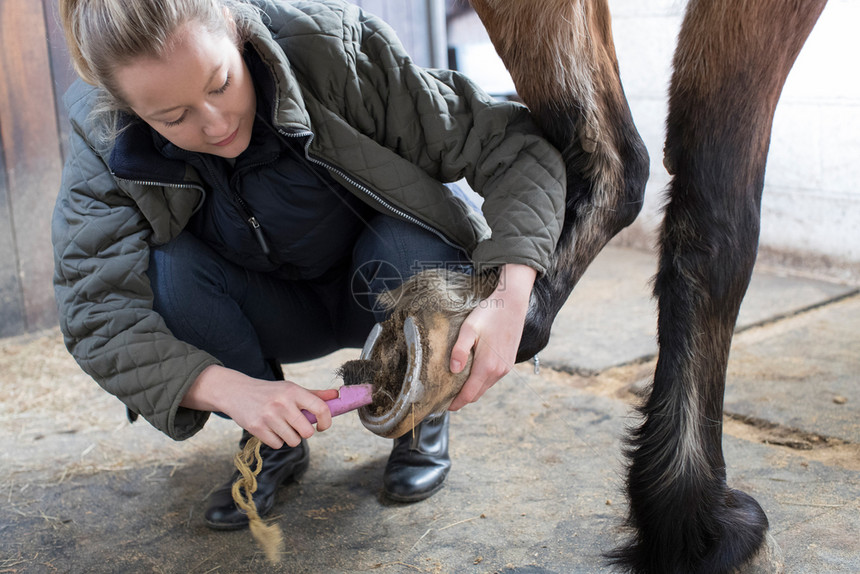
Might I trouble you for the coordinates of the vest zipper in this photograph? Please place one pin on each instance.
(255, 226)
(257, 229)
(364, 189)
(250, 219)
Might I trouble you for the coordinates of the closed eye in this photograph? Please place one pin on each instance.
(175, 122)
(217, 92)
(223, 88)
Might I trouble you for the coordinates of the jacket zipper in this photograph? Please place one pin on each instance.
(255, 226)
(161, 184)
(175, 185)
(364, 189)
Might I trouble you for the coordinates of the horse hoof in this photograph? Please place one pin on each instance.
(412, 379)
(768, 560)
(407, 357)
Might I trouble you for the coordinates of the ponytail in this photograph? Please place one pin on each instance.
(71, 29)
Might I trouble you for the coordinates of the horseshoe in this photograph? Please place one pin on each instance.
(407, 357)
(397, 419)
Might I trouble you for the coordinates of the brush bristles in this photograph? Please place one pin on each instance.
(359, 371)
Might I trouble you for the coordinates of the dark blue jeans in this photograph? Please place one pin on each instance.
(245, 318)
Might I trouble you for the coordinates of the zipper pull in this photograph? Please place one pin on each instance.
(258, 231)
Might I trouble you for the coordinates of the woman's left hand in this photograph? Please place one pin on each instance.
(494, 330)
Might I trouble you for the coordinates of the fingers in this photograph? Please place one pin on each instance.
(279, 420)
(494, 331)
(324, 414)
(487, 368)
(286, 432)
(326, 394)
(460, 353)
(495, 341)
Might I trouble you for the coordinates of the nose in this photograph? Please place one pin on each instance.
(216, 124)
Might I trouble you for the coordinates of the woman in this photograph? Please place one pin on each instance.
(243, 179)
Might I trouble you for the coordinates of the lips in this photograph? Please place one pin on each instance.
(229, 139)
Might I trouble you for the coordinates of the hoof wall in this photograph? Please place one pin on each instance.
(768, 560)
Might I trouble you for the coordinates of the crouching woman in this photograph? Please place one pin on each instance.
(244, 178)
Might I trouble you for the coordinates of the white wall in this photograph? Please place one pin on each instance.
(811, 203)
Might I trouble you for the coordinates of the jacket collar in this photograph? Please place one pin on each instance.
(136, 156)
(288, 104)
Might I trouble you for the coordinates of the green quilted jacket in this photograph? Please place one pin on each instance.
(386, 129)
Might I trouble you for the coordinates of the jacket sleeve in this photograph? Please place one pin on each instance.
(498, 149)
(444, 123)
(105, 300)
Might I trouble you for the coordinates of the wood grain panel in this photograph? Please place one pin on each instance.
(28, 132)
(62, 72)
(11, 297)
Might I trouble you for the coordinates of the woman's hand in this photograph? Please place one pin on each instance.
(494, 330)
(270, 410)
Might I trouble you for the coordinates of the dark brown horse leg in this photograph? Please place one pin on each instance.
(562, 59)
(730, 65)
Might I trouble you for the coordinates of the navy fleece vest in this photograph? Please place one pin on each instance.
(304, 223)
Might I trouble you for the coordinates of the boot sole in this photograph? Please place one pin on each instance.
(414, 498)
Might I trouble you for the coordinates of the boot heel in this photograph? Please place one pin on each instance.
(419, 462)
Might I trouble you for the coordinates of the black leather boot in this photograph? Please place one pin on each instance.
(280, 466)
(419, 462)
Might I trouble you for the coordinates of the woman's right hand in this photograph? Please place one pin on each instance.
(270, 410)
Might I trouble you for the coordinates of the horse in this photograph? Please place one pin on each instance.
(731, 61)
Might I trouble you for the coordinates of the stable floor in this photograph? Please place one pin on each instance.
(537, 478)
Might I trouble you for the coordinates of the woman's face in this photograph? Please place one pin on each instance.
(199, 95)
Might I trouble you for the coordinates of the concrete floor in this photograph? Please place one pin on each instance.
(536, 485)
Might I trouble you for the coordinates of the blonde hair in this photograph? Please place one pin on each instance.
(104, 35)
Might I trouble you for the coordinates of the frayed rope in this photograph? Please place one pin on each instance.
(268, 536)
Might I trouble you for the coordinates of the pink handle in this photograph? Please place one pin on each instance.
(350, 397)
